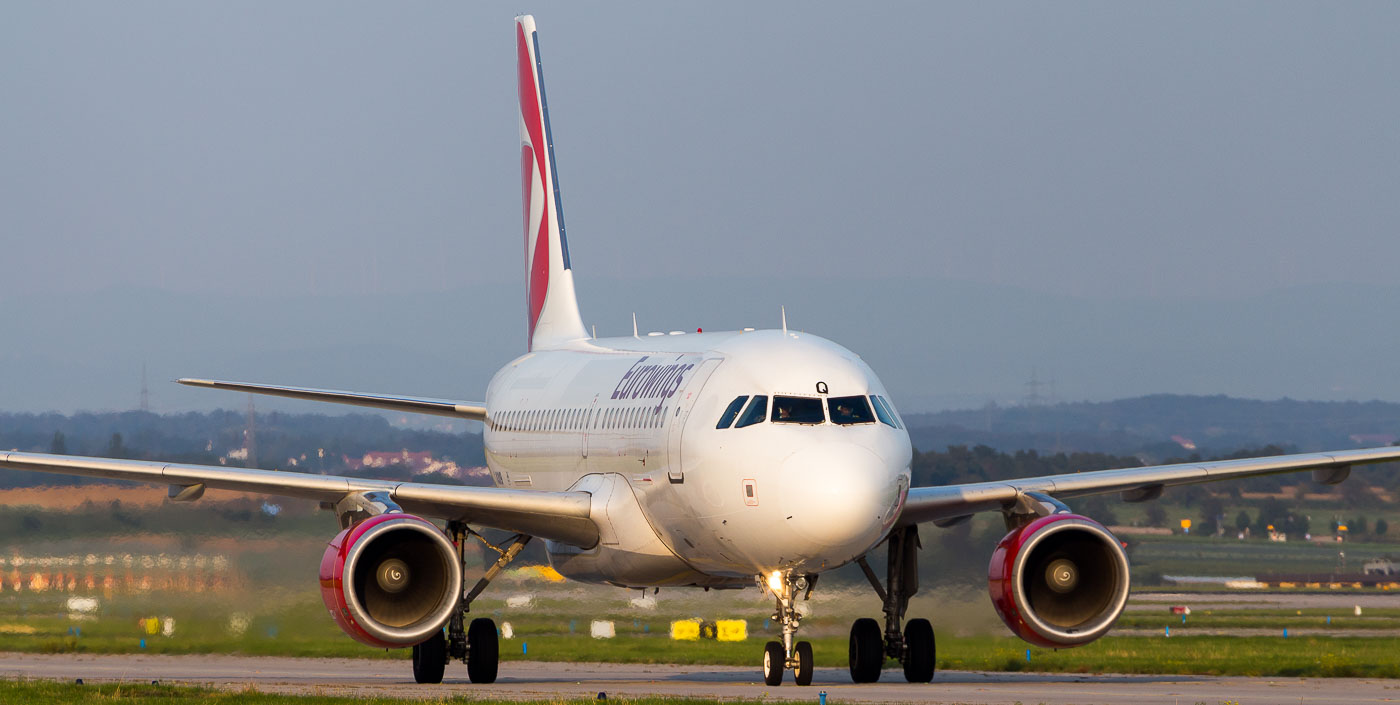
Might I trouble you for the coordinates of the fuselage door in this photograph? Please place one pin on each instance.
(683, 402)
(588, 424)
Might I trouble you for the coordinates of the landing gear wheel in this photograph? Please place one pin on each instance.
(483, 651)
(918, 651)
(429, 659)
(802, 674)
(867, 652)
(774, 660)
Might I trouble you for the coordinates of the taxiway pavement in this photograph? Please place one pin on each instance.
(540, 680)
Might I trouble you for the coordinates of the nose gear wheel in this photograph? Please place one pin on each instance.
(779, 656)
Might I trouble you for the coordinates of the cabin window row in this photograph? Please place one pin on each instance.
(842, 411)
(578, 419)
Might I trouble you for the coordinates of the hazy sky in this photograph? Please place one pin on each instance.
(1097, 152)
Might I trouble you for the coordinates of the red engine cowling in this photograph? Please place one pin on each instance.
(1059, 581)
(391, 580)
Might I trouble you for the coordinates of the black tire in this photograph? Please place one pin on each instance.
(867, 652)
(919, 651)
(802, 674)
(483, 651)
(430, 659)
(774, 663)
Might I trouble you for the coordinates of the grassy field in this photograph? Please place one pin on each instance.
(302, 629)
(48, 692)
(1183, 555)
(1239, 656)
(272, 608)
(1339, 621)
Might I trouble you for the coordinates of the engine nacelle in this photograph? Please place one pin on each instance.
(391, 580)
(1061, 580)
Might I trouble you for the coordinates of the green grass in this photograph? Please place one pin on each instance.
(50, 692)
(1326, 657)
(293, 623)
(1183, 655)
(1342, 619)
(284, 617)
(1239, 656)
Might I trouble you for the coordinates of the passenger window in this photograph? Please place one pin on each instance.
(849, 410)
(758, 409)
(797, 410)
(731, 412)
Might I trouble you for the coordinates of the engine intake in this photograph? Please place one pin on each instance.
(391, 580)
(1059, 581)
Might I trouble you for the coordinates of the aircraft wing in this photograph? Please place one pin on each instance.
(950, 502)
(558, 516)
(476, 411)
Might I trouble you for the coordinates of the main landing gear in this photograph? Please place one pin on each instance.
(778, 656)
(914, 645)
(474, 643)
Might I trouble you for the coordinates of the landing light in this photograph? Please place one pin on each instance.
(775, 581)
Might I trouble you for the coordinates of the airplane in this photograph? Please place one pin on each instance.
(704, 460)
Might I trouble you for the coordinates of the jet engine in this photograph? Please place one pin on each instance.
(391, 580)
(1059, 581)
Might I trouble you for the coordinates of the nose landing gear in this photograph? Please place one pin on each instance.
(914, 645)
(778, 656)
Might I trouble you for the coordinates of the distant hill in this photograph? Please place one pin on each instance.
(1142, 427)
(1163, 425)
(305, 442)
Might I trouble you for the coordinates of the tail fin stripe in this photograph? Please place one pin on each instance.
(530, 113)
(549, 140)
(551, 304)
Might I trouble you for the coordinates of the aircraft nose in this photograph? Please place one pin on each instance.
(838, 496)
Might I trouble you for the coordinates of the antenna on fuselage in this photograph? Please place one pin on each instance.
(634, 325)
(784, 310)
(595, 331)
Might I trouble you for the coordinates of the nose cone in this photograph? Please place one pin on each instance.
(840, 497)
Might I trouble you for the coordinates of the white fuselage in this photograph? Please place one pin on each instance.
(678, 500)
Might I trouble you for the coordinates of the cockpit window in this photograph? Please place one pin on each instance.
(758, 408)
(886, 411)
(731, 412)
(850, 410)
(885, 416)
(797, 410)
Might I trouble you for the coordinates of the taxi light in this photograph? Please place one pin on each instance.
(775, 581)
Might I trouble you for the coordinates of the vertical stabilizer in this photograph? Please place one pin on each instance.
(551, 306)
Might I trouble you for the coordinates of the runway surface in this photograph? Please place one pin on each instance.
(538, 680)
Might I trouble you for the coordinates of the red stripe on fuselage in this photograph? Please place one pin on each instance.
(530, 112)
